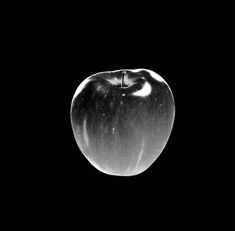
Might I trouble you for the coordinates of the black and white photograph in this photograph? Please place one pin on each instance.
(126, 116)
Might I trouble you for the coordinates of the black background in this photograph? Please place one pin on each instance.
(185, 44)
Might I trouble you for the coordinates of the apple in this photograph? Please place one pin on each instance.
(122, 119)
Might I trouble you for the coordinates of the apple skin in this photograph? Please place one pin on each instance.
(121, 133)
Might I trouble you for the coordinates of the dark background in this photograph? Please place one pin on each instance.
(190, 183)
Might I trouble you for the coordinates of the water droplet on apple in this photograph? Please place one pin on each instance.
(122, 119)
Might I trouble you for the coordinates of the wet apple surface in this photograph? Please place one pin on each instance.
(122, 120)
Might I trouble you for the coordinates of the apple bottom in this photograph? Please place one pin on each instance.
(126, 149)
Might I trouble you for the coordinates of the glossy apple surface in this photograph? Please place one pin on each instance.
(122, 119)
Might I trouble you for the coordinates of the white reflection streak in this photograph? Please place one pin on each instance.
(141, 153)
(85, 136)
